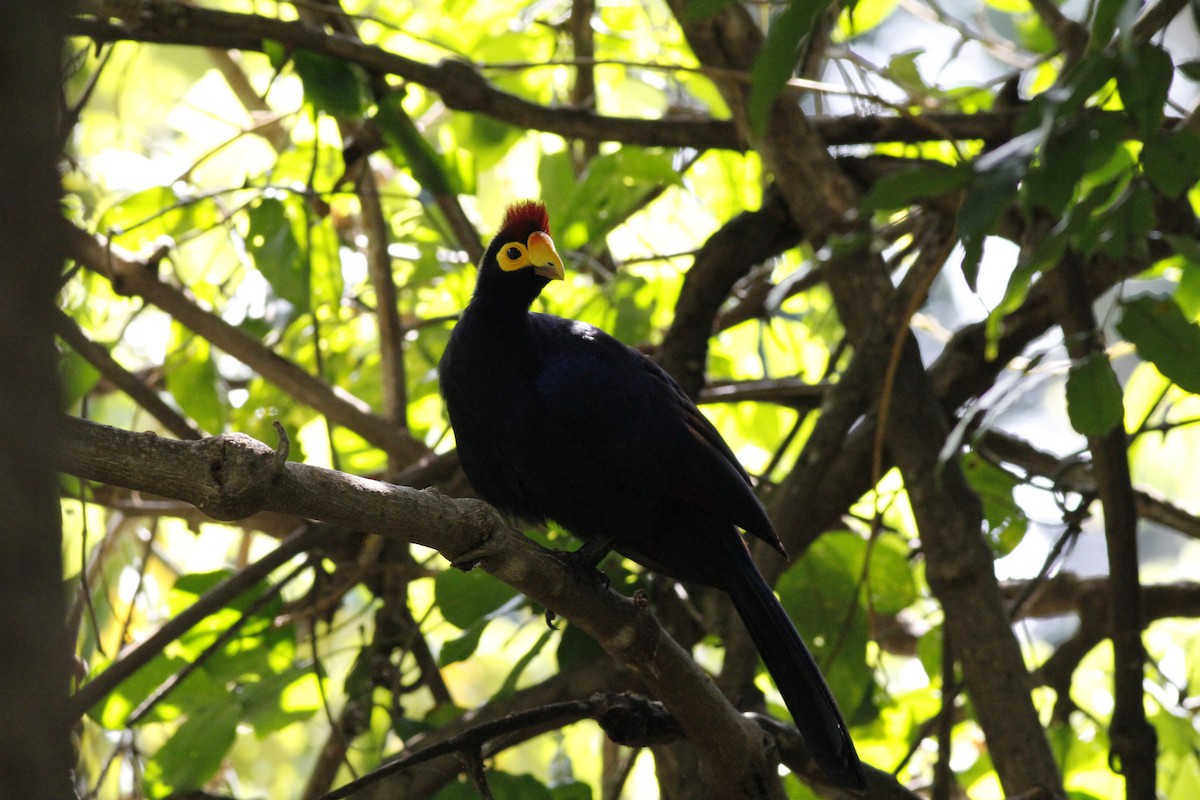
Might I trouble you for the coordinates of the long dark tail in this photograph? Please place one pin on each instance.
(791, 665)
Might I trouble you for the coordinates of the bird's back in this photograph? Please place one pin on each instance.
(576, 427)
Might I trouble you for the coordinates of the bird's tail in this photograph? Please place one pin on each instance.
(795, 671)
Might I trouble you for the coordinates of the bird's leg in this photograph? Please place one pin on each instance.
(584, 562)
(593, 551)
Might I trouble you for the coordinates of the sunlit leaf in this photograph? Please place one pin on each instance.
(821, 595)
(890, 578)
(1164, 337)
(1005, 519)
(192, 380)
(463, 647)
(466, 597)
(76, 376)
(194, 751)
(279, 700)
(427, 166)
(272, 242)
(862, 17)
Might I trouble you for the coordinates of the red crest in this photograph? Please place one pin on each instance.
(528, 215)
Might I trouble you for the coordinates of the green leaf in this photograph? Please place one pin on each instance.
(427, 166)
(1005, 519)
(1190, 69)
(1111, 15)
(259, 648)
(197, 691)
(992, 188)
(890, 576)
(464, 598)
(279, 700)
(701, 10)
(141, 219)
(778, 57)
(1094, 399)
(504, 786)
(1144, 78)
(271, 240)
(463, 647)
(1171, 160)
(1086, 142)
(192, 379)
(572, 790)
(194, 752)
(902, 188)
(514, 675)
(333, 86)
(575, 648)
(76, 375)
(1164, 337)
(821, 594)
(1129, 222)
(614, 186)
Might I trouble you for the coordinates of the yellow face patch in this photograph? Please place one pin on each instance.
(538, 253)
(513, 256)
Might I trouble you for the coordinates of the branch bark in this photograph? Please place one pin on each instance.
(231, 476)
(463, 88)
(1134, 740)
(35, 653)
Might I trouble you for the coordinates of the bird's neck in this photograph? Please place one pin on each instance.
(502, 312)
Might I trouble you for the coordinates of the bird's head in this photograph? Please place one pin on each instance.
(521, 259)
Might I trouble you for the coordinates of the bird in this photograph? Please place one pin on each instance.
(556, 420)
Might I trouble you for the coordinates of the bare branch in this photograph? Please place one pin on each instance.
(132, 278)
(233, 475)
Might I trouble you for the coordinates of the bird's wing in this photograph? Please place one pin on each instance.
(639, 425)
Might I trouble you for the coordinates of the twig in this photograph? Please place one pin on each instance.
(131, 277)
(1134, 741)
(212, 600)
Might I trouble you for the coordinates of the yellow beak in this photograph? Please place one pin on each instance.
(544, 257)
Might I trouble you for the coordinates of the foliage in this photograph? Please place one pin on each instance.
(290, 171)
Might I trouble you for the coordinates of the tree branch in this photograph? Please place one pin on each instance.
(1134, 740)
(138, 391)
(233, 475)
(133, 278)
(463, 88)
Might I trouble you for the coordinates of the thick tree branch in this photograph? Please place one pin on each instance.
(233, 475)
(463, 88)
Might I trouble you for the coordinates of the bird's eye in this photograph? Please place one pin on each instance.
(513, 252)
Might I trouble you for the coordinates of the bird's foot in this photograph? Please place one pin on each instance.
(583, 565)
